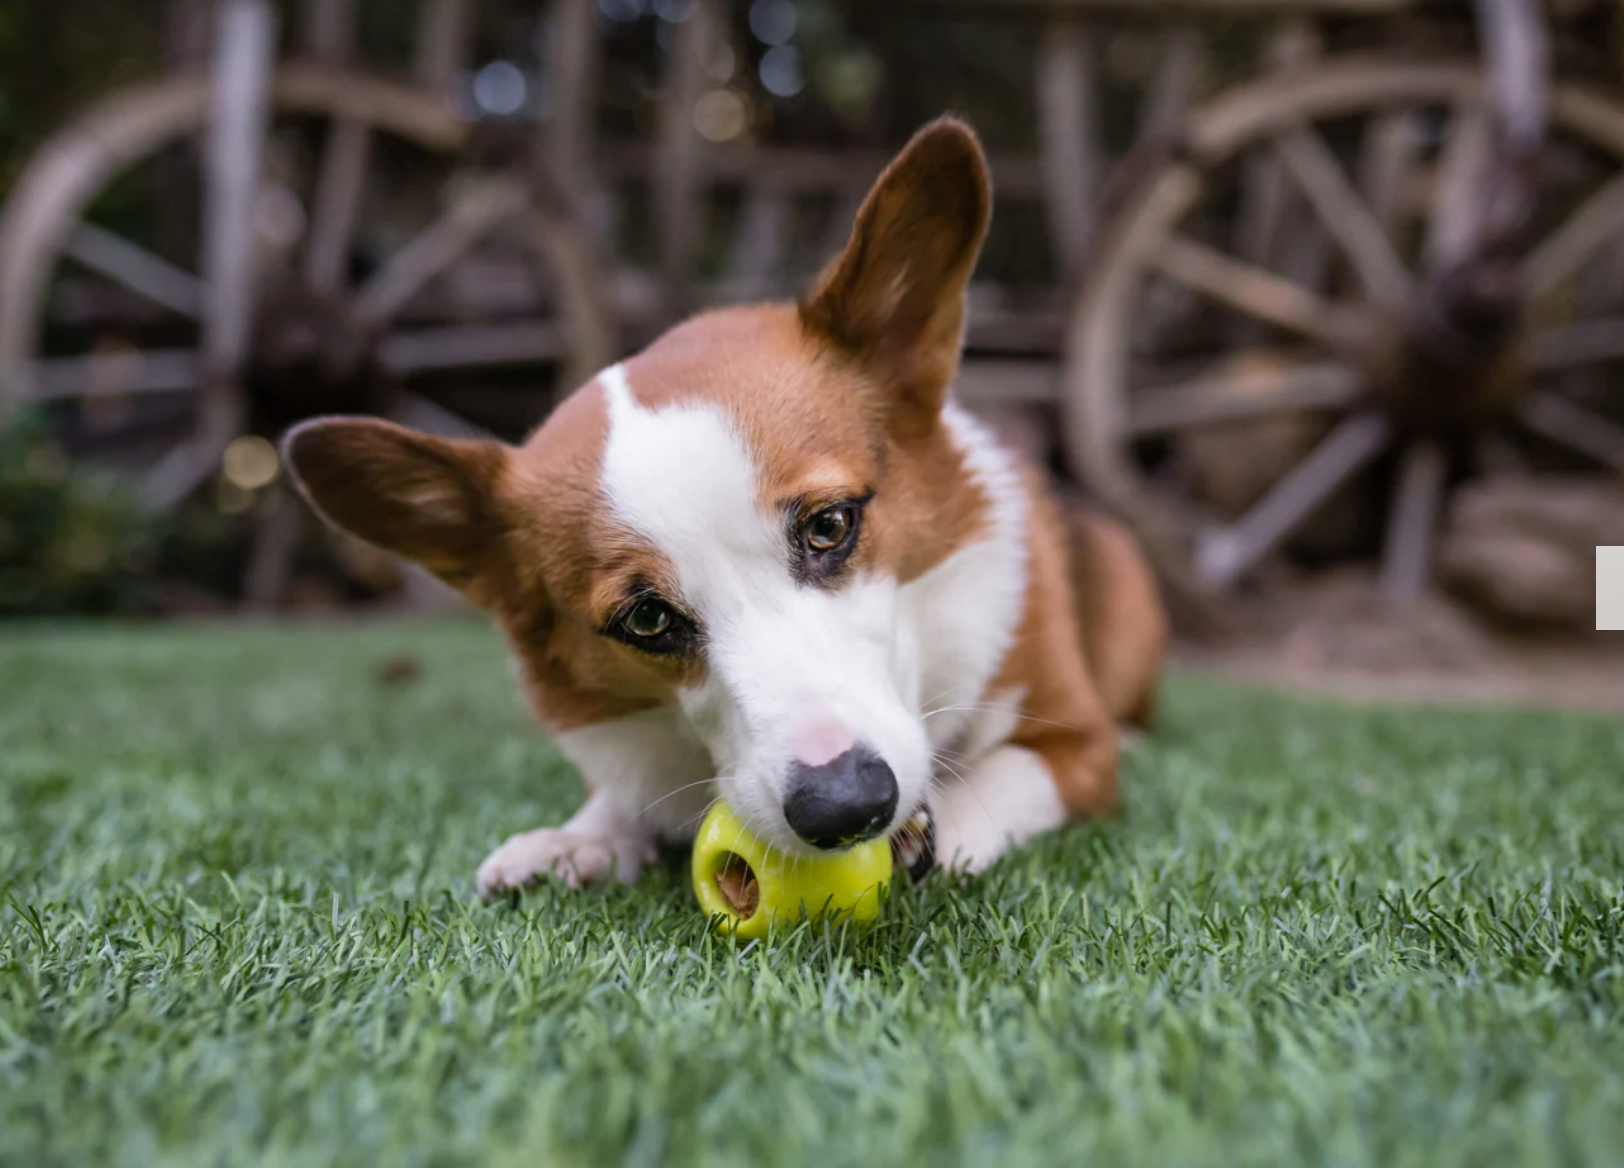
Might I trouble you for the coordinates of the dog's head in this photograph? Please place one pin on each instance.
(724, 523)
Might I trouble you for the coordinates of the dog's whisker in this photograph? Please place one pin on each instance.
(737, 837)
(693, 821)
(671, 794)
(951, 769)
(959, 775)
(949, 690)
(972, 707)
(946, 693)
(993, 707)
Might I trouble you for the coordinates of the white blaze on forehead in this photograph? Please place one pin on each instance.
(793, 671)
(682, 478)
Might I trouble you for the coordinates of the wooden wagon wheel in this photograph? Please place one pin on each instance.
(1233, 363)
(323, 280)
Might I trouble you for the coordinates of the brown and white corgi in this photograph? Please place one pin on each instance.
(769, 559)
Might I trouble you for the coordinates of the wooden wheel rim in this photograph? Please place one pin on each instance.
(76, 163)
(1094, 376)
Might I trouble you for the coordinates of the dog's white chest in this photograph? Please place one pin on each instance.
(960, 618)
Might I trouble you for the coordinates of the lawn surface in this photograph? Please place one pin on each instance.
(237, 926)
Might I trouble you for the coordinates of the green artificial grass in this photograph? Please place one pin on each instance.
(237, 926)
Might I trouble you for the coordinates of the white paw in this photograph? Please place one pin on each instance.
(968, 849)
(1006, 799)
(577, 858)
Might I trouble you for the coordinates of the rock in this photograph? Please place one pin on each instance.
(1340, 621)
(1524, 550)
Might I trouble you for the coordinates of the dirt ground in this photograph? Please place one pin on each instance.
(1338, 637)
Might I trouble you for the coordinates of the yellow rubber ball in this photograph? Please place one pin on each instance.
(748, 887)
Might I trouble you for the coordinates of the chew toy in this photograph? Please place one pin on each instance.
(747, 887)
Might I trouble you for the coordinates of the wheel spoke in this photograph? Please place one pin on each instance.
(759, 248)
(339, 187)
(134, 267)
(1407, 561)
(1588, 342)
(1254, 291)
(837, 227)
(1566, 249)
(1387, 168)
(181, 471)
(114, 373)
(1173, 88)
(239, 113)
(436, 247)
(275, 543)
(1253, 384)
(221, 414)
(1261, 215)
(328, 29)
(471, 346)
(1346, 216)
(1223, 554)
(444, 29)
(1067, 88)
(1458, 196)
(419, 413)
(1572, 425)
(1496, 456)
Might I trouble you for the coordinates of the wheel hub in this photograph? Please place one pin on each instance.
(1456, 362)
(304, 329)
(307, 359)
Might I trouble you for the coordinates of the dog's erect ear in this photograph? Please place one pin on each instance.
(432, 500)
(895, 296)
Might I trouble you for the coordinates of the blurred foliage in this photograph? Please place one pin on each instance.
(55, 57)
(75, 539)
(71, 540)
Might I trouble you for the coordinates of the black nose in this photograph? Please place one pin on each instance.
(845, 801)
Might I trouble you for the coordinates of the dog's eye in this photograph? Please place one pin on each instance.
(650, 624)
(647, 619)
(827, 530)
(822, 543)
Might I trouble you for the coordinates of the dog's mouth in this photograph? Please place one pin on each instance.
(913, 845)
(913, 850)
(737, 883)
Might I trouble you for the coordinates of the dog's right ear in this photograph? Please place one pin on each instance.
(894, 297)
(432, 500)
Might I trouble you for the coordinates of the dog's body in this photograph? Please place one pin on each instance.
(767, 559)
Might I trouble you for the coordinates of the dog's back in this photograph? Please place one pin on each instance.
(1119, 613)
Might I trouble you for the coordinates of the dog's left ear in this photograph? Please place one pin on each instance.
(894, 297)
(428, 499)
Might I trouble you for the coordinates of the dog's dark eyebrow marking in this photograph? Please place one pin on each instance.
(639, 590)
(802, 507)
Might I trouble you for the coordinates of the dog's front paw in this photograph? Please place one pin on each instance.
(961, 852)
(577, 858)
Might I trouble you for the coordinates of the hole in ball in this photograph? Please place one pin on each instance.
(737, 882)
